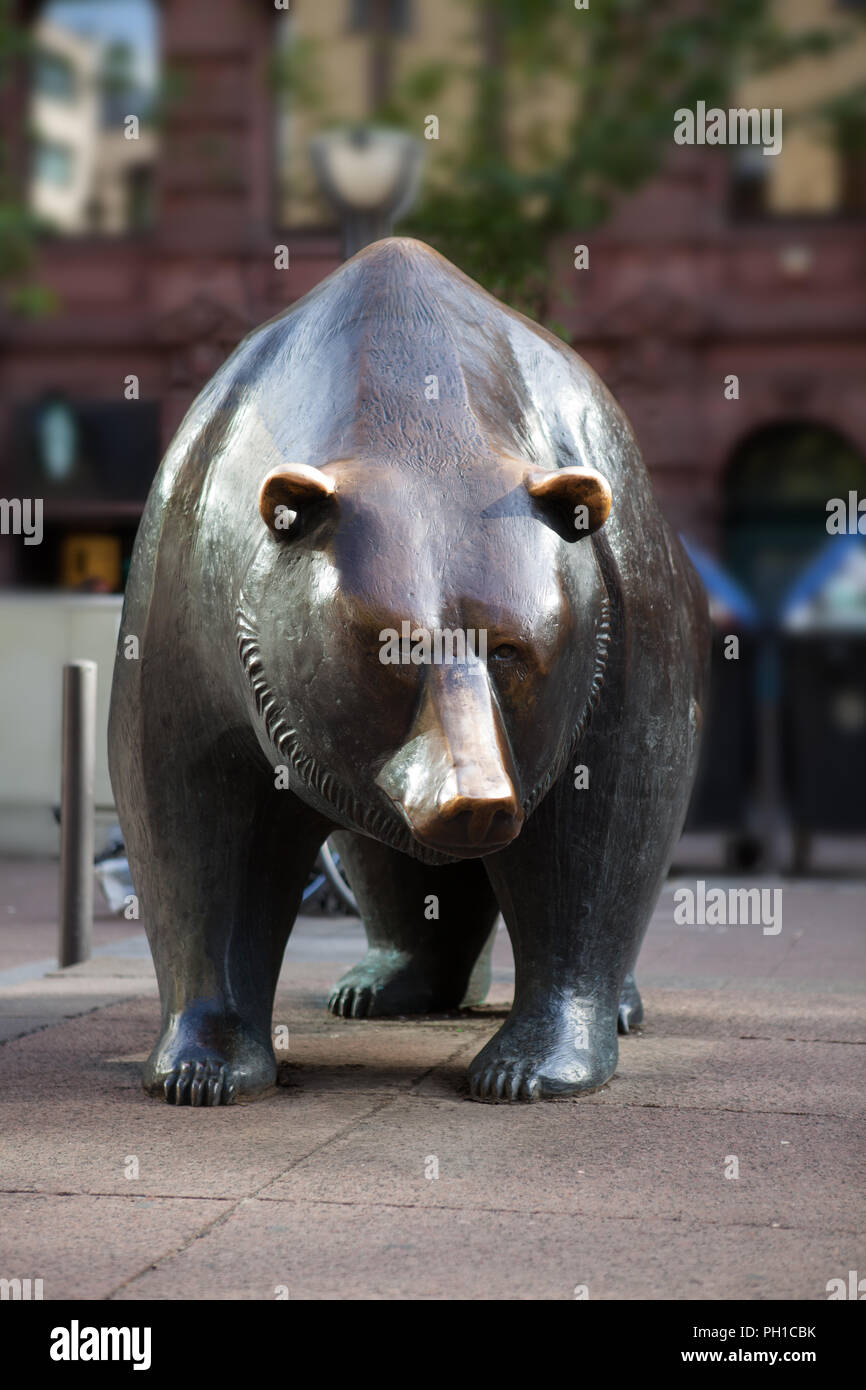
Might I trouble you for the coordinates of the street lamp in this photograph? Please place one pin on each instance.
(370, 175)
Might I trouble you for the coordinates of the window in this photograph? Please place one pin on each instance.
(100, 59)
(366, 15)
(54, 77)
(851, 152)
(100, 452)
(139, 193)
(748, 183)
(52, 164)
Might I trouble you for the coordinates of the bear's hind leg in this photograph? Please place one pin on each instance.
(630, 1006)
(429, 933)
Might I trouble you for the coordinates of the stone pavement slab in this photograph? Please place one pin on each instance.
(325, 1186)
(88, 1247)
(600, 1164)
(31, 1005)
(29, 896)
(334, 1251)
(774, 1010)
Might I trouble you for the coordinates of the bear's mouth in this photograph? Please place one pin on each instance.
(380, 822)
(478, 851)
(387, 823)
(442, 836)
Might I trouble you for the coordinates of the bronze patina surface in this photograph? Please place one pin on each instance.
(400, 461)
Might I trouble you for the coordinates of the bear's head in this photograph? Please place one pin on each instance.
(424, 649)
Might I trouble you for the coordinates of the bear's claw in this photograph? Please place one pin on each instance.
(514, 1082)
(386, 985)
(208, 1057)
(199, 1083)
(351, 1001)
(532, 1057)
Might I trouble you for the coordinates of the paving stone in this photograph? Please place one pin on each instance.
(86, 1247)
(792, 1170)
(334, 1251)
(752, 1049)
(128, 1144)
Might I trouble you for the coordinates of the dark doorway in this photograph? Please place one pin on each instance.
(778, 485)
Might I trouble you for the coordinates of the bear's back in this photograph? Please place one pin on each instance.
(398, 358)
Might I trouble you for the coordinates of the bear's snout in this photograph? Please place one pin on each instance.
(463, 821)
(453, 780)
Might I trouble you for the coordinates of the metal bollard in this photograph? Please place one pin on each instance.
(76, 812)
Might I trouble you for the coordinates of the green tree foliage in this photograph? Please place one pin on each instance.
(18, 227)
(624, 66)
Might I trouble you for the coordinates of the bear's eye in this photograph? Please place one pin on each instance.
(505, 652)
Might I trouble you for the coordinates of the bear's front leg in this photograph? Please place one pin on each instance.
(218, 917)
(218, 920)
(577, 889)
(557, 1044)
(219, 858)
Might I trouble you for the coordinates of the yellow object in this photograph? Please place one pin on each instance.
(90, 562)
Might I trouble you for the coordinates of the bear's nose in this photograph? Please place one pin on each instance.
(480, 820)
(452, 779)
(474, 816)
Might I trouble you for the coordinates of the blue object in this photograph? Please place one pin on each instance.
(811, 580)
(720, 585)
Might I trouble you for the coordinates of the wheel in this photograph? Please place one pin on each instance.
(330, 862)
(315, 884)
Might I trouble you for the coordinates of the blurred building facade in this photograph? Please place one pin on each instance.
(161, 250)
(166, 237)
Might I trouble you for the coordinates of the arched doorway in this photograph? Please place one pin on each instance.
(811, 755)
(776, 492)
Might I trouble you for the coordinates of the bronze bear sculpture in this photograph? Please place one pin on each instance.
(400, 458)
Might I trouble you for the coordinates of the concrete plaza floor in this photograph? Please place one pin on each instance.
(369, 1173)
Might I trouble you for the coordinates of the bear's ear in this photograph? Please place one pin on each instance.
(289, 490)
(575, 501)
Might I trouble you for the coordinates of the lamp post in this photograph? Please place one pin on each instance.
(370, 175)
